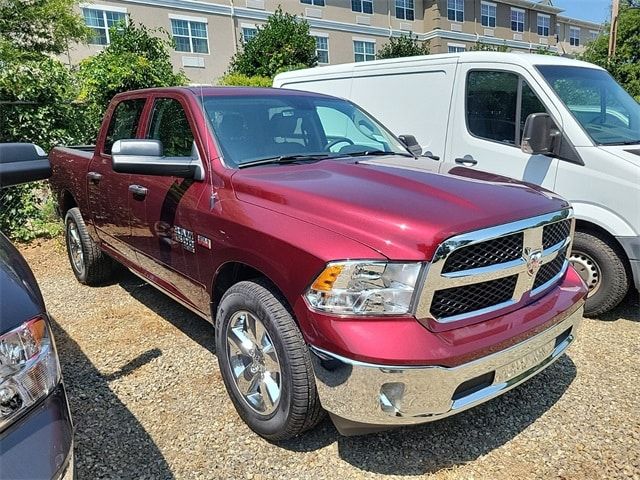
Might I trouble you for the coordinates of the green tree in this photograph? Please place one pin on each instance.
(282, 44)
(30, 27)
(403, 46)
(137, 57)
(625, 65)
(485, 47)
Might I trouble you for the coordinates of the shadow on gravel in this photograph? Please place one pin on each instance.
(195, 327)
(629, 309)
(452, 441)
(109, 440)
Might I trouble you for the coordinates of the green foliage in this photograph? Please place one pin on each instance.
(625, 66)
(28, 212)
(485, 47)
(282, 44)
(403, 46)
(239, 80)
(39, 26)
(545, 51)
(136, 58)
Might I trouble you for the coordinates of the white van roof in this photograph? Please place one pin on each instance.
(523, 59)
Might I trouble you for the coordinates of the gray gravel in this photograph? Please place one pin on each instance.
(148, 402)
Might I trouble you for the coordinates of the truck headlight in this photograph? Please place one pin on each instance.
(29, 368)
(364, 288)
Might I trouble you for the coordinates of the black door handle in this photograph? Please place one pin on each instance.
(467, 160)
(94, 177)
(138, 190)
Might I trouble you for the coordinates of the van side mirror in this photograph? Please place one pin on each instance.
(539, 134)
(412, 144)
(146, 157)
(22, 163)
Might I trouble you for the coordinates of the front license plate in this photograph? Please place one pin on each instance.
(521, 365)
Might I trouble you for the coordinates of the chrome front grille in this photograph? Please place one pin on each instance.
(484, 271)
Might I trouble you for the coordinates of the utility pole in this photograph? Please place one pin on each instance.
(613, 33)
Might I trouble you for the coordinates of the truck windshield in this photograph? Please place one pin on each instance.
(608, 114)
(250, 128)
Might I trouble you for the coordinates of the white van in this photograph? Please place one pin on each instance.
(470, 109)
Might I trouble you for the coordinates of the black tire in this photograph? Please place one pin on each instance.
(298, 408)
(94, 267)
(604, 259)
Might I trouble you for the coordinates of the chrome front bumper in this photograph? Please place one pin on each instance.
(382, 395)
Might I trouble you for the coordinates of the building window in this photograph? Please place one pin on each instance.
(317, 3)
(455, 48)
(404, 9)
(100, 21)
(574, 36)
(364, 50)
(190, 36)
(544, 23)
(248, 33)
(488, 14)
(322, 49)
(455, 10)
(593, 35)
(362, 6)
(517, 20)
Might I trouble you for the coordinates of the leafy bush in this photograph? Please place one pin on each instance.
(28, 212)
(485, 47)
(135, 58)
(403, 46)
(283, 43)
(240, 80)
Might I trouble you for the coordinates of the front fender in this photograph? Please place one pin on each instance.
(603, 218)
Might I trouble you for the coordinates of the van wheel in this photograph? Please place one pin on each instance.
(90, 265)
(602, 268)
(265, 363)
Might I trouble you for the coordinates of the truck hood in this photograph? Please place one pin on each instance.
(401, 212)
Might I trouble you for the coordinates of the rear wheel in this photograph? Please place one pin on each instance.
(90, 265)
(600, 264)
(265, 362)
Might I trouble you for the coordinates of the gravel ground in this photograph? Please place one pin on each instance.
(148, 402)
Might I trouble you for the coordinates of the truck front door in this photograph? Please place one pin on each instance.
(490, 106)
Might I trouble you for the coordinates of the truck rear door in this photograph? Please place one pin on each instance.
(107, 191)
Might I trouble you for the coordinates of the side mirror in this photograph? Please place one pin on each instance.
(145, 157)
(539, 134)
(412, 144)
(22, 163)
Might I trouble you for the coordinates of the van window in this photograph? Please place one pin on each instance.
(498, 104)
(169, 124)
(124, 122)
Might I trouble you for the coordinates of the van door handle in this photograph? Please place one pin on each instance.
(467, 160)
(138, 190)
(94, 177)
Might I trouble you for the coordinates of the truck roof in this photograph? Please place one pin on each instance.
(223, 91)
(525, 59)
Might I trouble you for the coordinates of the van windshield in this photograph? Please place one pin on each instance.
(251, 128)
(608, 114)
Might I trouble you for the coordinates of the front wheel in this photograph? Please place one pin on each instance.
(265, 363)
(602, 268)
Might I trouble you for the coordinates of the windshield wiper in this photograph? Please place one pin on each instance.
(282, 159)
(367, 153)
(627, 142)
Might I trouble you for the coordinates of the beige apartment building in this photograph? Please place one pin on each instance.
(208, 32)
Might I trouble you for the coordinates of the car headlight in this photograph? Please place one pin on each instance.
(364, 288)
(29, 368)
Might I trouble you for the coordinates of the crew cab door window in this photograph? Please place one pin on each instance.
(170, 125)
(498, 104)
(124, 122)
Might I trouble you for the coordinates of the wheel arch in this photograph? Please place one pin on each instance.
(66, 202)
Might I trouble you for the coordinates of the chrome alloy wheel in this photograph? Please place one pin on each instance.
(254, 362)
(75, 247)
(588, 270)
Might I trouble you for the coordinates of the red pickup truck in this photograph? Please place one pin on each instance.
(338, 277)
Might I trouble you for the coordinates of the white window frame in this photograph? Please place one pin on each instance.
(518, 12)
(317, 35)
(314, 3)
(189, 20)
(574, 41)
(104, 9)
(543, 16)
(364, 40)
(452, 5)
(362, 2)
(593, 34)
(456, 47)
(404, 6)
(489, 5)
(248, 26)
